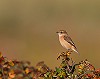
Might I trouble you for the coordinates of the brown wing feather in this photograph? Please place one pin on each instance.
(69, 40)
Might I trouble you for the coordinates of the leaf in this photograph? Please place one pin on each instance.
(58, 70)
(11, 74)
(0, 54)
(11, 63)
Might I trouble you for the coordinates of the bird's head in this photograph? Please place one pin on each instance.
(61, 32)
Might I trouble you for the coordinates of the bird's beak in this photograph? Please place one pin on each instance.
(57, 32)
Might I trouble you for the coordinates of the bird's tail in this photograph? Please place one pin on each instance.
(75, 50)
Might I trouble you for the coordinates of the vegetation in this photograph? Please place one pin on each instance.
(68, 69)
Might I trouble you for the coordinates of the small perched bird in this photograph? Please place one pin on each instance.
(66, 41)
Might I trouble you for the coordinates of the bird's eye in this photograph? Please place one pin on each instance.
(61, 32)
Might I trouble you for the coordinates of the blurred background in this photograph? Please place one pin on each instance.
(28, 29)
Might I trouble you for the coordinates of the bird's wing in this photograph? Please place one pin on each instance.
(69, 40)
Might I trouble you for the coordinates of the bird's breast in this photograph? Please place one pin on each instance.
(64, 43)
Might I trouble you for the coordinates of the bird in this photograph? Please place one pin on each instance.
(66, 41)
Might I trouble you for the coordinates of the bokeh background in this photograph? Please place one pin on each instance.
(28, 29)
